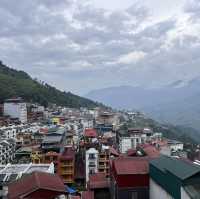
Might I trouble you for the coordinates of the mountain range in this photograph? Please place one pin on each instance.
(177, 103)
(14, 83)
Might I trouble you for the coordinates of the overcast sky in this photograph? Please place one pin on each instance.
(81, 45)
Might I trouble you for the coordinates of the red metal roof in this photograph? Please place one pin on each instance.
(75, 197)
(124, 166)
(151, 151)
(88, 195)
(98, 181)
(131, 152)
(68, 154)
(33, 182)
(90, 133)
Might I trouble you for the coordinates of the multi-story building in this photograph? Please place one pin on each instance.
(16, 108)
(91, 162)
(104, 157)
(9, 132)
(108, 118)
(37, 157)
(132, 139)
(66, 165)
(130, 178)
(7, 150)
(127, 143)
(175, 145)
(64, 162)
(54, 140)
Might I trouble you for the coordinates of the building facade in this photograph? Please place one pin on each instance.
(91, 162)
(16, 108)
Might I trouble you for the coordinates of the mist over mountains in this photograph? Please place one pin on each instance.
(177, 103)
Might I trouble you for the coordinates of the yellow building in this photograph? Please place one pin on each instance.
(37, 157)
(56, 120)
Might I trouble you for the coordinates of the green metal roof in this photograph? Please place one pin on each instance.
(178, 167)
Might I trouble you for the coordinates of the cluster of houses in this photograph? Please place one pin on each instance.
(68, 153)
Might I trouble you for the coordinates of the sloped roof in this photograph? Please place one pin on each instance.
(125, 166)
(90, 133)
(151, 151)
(88, 195)
(98, 181)
(113, 151)
(178, 167)
(36, 180)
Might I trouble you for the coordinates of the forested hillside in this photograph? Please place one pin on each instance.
(18, 83)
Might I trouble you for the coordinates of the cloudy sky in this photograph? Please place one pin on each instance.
(81, 45)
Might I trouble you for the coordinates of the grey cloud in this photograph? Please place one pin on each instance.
(193, 7)
(82, 51)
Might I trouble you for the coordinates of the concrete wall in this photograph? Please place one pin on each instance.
(157, 192)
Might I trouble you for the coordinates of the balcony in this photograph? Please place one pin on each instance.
(103, 159)
(67, 164)
(67, 172)
(92, 164)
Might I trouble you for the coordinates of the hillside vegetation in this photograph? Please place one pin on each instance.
(18, 83)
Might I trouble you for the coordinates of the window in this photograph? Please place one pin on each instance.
(91, 156)
(134, 195)
(91, 171)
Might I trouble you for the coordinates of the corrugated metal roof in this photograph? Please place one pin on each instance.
(52, 139)
(124, 166)
(178, 167)
(98, 181)
(36, 180)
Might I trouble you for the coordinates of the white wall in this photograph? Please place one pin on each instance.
(16, 110)
(184, 195)
(87, 161)
(177, 147)
(157, 192)
(127, 143)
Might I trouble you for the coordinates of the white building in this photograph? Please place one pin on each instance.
(86, 123)
(91, 162)
(132, 142)
(7, 151)
(8, 132)
(16, 108)
(175, 145)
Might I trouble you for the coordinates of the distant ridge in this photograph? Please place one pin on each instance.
(18, 83)
(177, 103)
